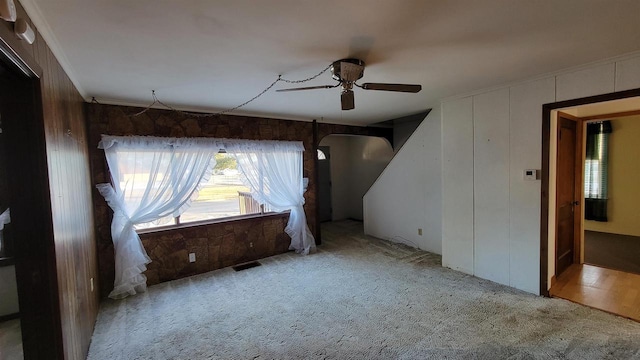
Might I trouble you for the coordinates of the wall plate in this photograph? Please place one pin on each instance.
(530, 174)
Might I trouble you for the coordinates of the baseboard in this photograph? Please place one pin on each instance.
(8, 317)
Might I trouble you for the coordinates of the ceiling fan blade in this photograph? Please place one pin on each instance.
(347, 100)
(392, 87)
(309, 88)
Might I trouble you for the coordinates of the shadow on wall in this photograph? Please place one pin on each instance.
(355, 164)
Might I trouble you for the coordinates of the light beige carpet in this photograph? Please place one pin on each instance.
(356, 298)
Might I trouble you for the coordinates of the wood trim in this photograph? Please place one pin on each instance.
(555, 223)
(553, 280)
(569, 116)
(578, 193)
(611, 116)
(316, 143)
(544, 198)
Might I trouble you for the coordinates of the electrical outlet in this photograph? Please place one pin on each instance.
(192, 257)
(91, 281)
(250, 244)
(420, 232)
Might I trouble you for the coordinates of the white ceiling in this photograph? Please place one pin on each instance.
(214, 55)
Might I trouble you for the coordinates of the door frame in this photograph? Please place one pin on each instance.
(544, 198)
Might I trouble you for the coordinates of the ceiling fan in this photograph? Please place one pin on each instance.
(346, 72)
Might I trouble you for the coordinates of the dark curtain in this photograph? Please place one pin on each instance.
(596, 174)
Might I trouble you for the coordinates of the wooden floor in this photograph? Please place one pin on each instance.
(613, 291)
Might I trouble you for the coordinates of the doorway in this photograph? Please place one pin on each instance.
(324, 183)
(352, 164)
(10, 328)
(579, 199)
(611, 228)
(13, 92)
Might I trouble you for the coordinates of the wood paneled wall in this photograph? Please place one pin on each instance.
(71, 205)
(70, 242)
(221, 244)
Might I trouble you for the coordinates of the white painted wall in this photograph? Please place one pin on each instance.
(356, 162)
(491, 216)
(525, 127)
(404, 127)
(8, 291)
(491, 185)
(369, 157)
(407, 195)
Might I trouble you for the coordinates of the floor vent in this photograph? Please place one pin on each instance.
(246, 266)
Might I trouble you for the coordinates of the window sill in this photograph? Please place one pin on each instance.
(211, 222)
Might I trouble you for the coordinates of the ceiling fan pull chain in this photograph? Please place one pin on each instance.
(307, 79)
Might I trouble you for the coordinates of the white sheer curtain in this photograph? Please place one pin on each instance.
(273, 172)
(152, 178)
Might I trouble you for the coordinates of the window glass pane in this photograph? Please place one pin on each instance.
(592, 178)
(321, 155)
(223, 195)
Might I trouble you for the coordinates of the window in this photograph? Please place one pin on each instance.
(154, 178)
(223, 195)
(321, 155)
(595, 171)
(592, 179)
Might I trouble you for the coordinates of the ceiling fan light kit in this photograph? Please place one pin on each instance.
(347, 72)
(347, 100)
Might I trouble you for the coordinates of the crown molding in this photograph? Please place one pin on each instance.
(43, 28)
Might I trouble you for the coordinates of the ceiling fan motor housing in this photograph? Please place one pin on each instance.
(347, 70)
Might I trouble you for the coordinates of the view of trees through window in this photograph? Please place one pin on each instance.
(222, 196)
